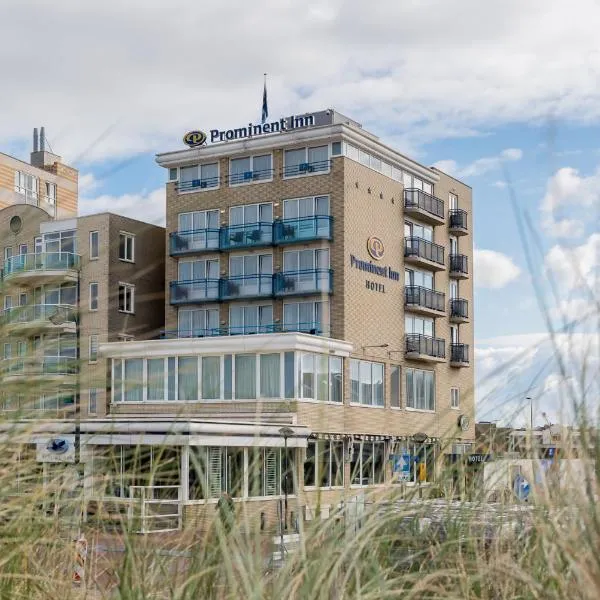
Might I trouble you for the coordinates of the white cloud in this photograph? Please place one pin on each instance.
(371, 61)
(499, 184)
(481, 165)
(87, 183)
(493, 269)
(145, 206)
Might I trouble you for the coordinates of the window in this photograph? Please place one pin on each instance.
(320, 377)
(197, 230)
(250, 319)
(93, 348)
(23, 299)
(270, 375)
(50, 192)
(250, 168)
(367, 465)
(452, 201)
(414, 277)
(419, 325)
(306, 270)
(126, 298)
(308, 317)
(267, 472)
(215, 470)
(94, 295)
(250, 274)
(250, 214)
(454, 398)
(453, 289)
(7, 302)
(418, 231)
(303, 161)
(38, 245)
(58, 241)
(420, 459)
(306, 218)
(454, 334)
(93, 401)
(27, 185)
(7, 252)
(420, 389)
(173, 174)
(245, 376)
(198, 322)
(7, 351)
(94, 247)
(366, 382)
(22, 249)
(199, 177)
(324, 464)
(336, 148)
(395, 386)
(126, 247)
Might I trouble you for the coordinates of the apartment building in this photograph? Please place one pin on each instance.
(68, 284)
(318, 323)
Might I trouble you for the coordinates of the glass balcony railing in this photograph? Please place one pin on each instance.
(310, 281)
(459, 308)
(55, 314)
(43, 261)
(43, 366)
(415, 199)
(424, 345)
(250, 176)
(306, 168)
(246, 236)
(199, 184)
(246, 286)
(198, 290)
(458, 220)
(420, 248)
(182, 242)
(459, 353)
(459, 264)
(312, 327)
(418, 296)
(316, 227)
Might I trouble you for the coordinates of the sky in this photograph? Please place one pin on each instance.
(503, 94)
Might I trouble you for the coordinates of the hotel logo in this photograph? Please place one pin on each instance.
(375, 248)
(194, 139)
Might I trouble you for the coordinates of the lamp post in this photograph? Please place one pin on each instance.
(286, 432)
(530, 424)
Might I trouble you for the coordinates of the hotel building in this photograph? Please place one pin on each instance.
(318, 325)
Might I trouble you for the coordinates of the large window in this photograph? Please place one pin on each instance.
(194, 270)
(366, 382)
(414, 277)
(297, 208)
(454, 398)
(320, 377)
(303, 161)
(367, 464)
(267, 471)
(245, 273)
(27, 185)
(420, 389)
(58, 241)
(308, 317)
(421, 325)
(250, 319)
(198, 322)
(250, 214)
(199, 176)
(127, 247)
(198, 220)
(324, 464)
(307, 270)
(250, 168)
(198, 230)
(213, 471)
(419, 231)
(93, 295)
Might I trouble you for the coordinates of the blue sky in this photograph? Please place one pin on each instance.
(503, 94)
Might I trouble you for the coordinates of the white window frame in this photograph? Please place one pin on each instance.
(455, 398)
(251, 180)
(92, 393)
(8, 303)
(96, 296)
(51, 197)
(95, 234)
(407, 395)
(131, 237)
(360, 402)
(126, 287)
(308, 173)
(8, 252)
(319, 443)
(93, 341)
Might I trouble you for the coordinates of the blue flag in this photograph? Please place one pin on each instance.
(265, 108)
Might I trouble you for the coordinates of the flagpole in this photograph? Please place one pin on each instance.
(265, 108)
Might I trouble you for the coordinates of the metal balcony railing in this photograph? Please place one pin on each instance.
(182, 242)
(425, 345)
(459, 353)
(416, 295)
(459, 264)
(250, 176)
(309, 281)
(312, 327)
(246, 286)
(316, 227)
(418, 247)
(457, 219)
(201, 184)
(43, 261)
(246, 236)
(414, 198)
(306, 168)
(198, 290)
(459, 308)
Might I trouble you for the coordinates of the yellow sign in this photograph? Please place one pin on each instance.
(194, 138)
(375, 248)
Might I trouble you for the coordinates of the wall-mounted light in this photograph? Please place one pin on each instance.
(381, 195)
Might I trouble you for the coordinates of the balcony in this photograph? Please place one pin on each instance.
(312, 327)
(40, 269)
(303, 229)
(303, 283)
(424, 301)
(459, 266)
(45, 369)
(459, 355)
(39, 318)
(250, 176)
(457, 222)
(249, 235)
(195, 291)
(198, 184)
(308, 168)
(196, 241)
(423, 253)
(425, 348)
(424, 206)
(246, 286)
(459, 310)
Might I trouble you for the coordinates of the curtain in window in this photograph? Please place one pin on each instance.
(322, 372)
(211, 377)
(335, 379)
(307, 376)
(354, 381)
(270, 375)
(156, 379)
(245, 376)
(366, 388)
(378, 384)
(134, 370)
(188, 378)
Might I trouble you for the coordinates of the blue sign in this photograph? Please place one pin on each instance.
(521, 487)
(401, 466)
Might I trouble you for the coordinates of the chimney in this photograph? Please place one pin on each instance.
(42, 139)
(35, 140)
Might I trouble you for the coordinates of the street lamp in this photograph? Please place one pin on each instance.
(286, 432)
(530, 413)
